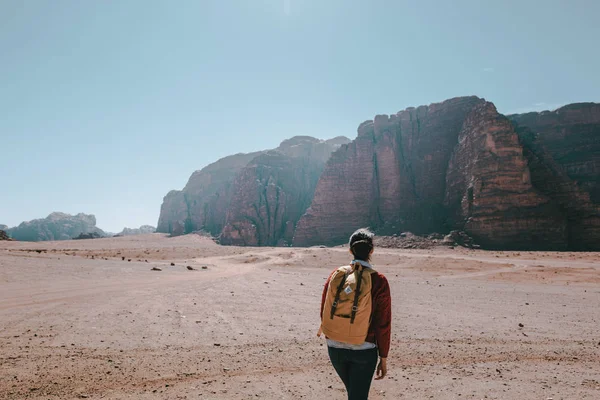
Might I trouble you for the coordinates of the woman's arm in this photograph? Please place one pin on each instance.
(382, 319)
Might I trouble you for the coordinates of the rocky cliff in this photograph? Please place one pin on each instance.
(254, 198)
(273, 191)
(203, 202)
(462, 165)
(527, 181)
(571, 135)
(563, 151)
(57, 226)
(489, 190)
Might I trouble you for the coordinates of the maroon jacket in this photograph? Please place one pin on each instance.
(380, 329)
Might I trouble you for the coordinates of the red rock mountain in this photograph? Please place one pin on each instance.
(528, 182)
(203, 202)
(571, 135)
(563, 150)
(250, 199)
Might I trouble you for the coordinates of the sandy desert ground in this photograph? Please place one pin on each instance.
(79, 320)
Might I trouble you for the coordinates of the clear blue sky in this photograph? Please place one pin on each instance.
(105, 106)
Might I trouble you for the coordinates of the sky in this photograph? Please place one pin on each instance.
(105, 106)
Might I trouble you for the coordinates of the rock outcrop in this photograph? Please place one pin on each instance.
(571, 134)
(4, 235)
(203, 202)
(408, 240)
(57, 226)
(274, 190)
(90, 235)
(489, 192)
(250, 199)
(563, 151)
(460, 165)
(142, 230)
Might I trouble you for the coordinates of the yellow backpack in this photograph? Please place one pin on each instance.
(347, 309)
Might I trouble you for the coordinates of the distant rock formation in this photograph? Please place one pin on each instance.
(90, 235)
(250, 199)
(460, 165)
(57, 226)
(142, 230)
(3, 227)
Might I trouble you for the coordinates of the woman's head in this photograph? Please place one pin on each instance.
(361, 244)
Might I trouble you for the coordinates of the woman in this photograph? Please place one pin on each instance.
(357, 318)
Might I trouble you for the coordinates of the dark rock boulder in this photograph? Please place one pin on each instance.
(89, 235)
(459, 238)
(4, 235)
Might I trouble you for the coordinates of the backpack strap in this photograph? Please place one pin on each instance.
(337, 294)
(360, 269)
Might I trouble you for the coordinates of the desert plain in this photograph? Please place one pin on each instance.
(91, 319)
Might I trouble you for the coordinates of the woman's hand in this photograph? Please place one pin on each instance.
(381, 369)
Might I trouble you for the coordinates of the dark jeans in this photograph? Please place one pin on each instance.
(356, 368)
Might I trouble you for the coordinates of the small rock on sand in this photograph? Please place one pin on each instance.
(155, 269)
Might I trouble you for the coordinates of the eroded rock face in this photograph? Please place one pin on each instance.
(392, 177)
(489, 192)
(462, 165)
(571, 134)
(274, 190)
(4, 235)
(250, 199)
(203, 203)
(563, 151)
(57, 226)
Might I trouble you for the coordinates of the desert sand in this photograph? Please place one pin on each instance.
(90, 319)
